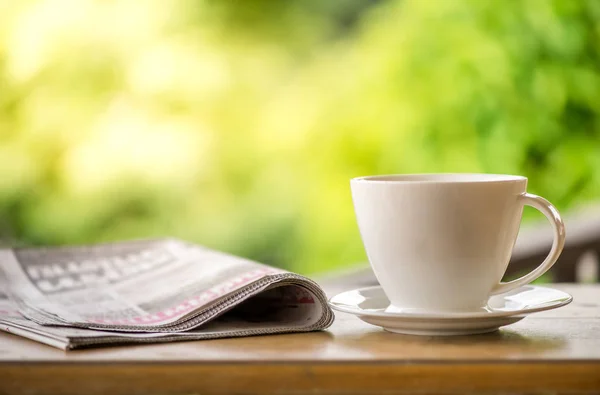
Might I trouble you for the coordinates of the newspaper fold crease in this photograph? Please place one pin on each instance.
(150, 291)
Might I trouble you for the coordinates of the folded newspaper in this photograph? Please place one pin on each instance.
(150, 291)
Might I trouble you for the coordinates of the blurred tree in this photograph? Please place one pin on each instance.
(237, 124)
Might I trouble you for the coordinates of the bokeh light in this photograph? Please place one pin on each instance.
(237, 125)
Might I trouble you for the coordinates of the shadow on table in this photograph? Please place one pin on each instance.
(275, 347)
(502, 343)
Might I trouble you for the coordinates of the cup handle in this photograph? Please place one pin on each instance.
(557, 245)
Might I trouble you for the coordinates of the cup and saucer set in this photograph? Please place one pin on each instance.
(439, 245)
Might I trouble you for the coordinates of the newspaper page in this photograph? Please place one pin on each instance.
(150, 291)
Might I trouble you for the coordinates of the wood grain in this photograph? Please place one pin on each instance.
(551, 352)
(181, 378)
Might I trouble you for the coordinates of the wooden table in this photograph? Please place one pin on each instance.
(551, 352)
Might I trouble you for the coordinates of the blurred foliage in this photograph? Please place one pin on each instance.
(237, 124)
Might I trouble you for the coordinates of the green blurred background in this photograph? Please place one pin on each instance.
(238, 124)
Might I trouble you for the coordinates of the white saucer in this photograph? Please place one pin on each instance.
(369, 304)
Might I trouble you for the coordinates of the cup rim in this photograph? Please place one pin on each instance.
(438, 178)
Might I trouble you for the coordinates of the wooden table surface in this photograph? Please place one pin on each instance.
(557, 351)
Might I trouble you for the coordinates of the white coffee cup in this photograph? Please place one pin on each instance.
(442, 242)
